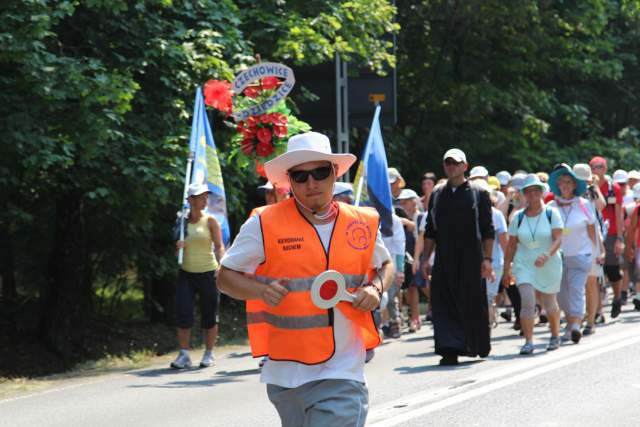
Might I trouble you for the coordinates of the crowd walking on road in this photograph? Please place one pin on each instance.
(524, 247)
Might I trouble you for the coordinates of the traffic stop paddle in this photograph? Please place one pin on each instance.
(328, 289)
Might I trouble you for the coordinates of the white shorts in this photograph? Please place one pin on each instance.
(596, 270)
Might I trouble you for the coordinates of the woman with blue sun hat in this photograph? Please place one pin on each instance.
(578, 240)
(535, 236)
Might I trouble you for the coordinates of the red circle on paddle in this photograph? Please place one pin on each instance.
(328, 290)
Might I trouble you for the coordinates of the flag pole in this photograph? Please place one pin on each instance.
(359, 190)
(185, 205)
(376, 114)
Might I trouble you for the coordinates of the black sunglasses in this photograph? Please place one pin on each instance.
(318, 174)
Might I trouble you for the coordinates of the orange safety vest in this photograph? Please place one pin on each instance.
(296, 330)
(255, 305)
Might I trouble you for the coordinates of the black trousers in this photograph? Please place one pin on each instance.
(514, 296)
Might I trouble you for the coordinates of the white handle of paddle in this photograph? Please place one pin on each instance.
(347, 296)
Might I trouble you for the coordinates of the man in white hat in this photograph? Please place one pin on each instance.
(396, 181)
(459, 227)
(315, 371)
(621, 177)
(343, 192)
(271, 194)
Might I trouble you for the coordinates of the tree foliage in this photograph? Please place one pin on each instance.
(96, 98)
(96, 104)
(521, 84)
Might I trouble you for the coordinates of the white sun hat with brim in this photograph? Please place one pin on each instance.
(345, 188)
(407, 194)
(478, 172)
(393, 175)
(634, 174)
(197, 189)
(517, 180)
(304, 148)
(583, 171)
(504, 177)
(621, 176)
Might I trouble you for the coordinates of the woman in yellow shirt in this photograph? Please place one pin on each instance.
(198, 275)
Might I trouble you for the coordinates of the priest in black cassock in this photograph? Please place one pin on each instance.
(459, 225)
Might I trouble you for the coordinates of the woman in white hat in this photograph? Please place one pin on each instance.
(197, 276)
(535, 236)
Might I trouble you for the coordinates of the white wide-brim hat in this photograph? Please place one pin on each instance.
(303, 148)
(197, 189)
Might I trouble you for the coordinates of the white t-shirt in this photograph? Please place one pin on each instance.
(500, 227)
(246, 253)
(422, 226)
(421, 229)
(627, 198)
(396, 242)
(575, 237)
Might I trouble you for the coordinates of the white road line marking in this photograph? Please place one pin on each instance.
(615, 342)
(518, 365)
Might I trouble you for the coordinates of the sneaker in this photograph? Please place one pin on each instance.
(615, 308)
(623, 297)
(182, 361)
(369, 356)
(588, 330)
(527, 349)
(565, 338)
(208, 359)
(262, 362)
(576, 335)
(506, 315)
(554, 343)
(600, 318)
(636, 303)
(516, 325)
(394, 331)
(386, 330)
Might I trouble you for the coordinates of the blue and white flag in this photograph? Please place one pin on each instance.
(206, 166)
(372, 170)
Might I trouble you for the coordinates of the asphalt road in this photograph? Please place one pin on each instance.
(596, 382)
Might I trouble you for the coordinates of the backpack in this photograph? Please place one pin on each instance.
(475, 193)
(546, 211)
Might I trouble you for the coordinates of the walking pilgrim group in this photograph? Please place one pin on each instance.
(535, 248)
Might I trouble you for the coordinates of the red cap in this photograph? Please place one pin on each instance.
(597, 160)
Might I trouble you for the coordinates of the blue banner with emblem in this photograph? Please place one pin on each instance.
(372, 172)
(206, 166)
